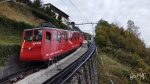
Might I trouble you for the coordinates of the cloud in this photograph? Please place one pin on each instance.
(110, 10)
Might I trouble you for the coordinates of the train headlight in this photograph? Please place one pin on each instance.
(29, 48)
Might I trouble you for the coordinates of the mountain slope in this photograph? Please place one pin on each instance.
(127, 49)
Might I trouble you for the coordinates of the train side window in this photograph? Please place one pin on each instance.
(63, 35)
(71, 36)
(55, 35)
(48, 36)
(80, 35)
(28, 36)
(75, 36)
(66, 36)
(59, 37)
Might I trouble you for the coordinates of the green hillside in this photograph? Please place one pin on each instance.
(111, 69)
(124, 54)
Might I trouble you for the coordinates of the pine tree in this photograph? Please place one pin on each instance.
(37, 4)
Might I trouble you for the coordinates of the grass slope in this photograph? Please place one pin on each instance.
(18, 13)
(110, 68)
(11, 30)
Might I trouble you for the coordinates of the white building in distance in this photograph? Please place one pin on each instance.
(65, 17)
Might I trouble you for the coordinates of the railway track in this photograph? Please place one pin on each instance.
(21, 74)
(67, 73)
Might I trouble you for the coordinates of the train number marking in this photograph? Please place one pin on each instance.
(36, 43)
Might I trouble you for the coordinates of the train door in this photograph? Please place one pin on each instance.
(69, 40)
(59, 49)
(48, 42)
(54, 44)
(63, 41)
(66, 41)
(75, 39)
(81, 38)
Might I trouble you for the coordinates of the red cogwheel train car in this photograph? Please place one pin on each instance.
(40, 44)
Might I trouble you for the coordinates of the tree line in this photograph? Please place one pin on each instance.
(110, 36)
(36, 3)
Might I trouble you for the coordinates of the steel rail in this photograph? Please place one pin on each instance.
(69, 71)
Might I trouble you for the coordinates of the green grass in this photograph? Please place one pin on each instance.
(19, 13)
(9, 36)
(6, 50)
(11, 30)
(117, 72)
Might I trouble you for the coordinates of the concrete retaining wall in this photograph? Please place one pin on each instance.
(87, 74)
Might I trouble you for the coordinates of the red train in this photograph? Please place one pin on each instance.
(41, 44)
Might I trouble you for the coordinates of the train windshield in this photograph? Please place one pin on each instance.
(28, 36)
(37, 36)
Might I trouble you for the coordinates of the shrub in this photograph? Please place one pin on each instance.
(131, 59)
(5, 52)
(121, 73)
(18, 25)
(107, 49)
(48, 18)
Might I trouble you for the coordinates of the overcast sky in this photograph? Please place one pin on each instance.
(110, 10)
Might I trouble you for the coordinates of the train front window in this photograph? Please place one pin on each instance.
(37, 35)
(28, 36)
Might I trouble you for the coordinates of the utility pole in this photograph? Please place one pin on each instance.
(92, 36)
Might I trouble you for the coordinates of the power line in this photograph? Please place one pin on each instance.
(78, 10)
(92, 38)
(67, 3)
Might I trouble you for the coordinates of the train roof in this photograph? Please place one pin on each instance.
(49, 28)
